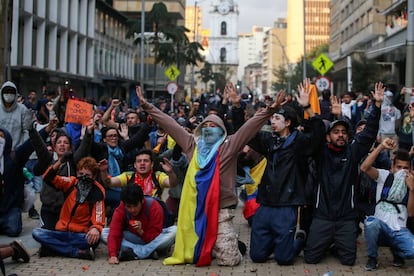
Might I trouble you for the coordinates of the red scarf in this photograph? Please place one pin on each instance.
(145, 183)
(335, 148)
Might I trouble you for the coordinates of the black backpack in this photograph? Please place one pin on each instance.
(169, 218)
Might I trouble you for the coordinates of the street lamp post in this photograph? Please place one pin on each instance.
(195, 31)
(304, 40)
(194, 39)
(141, 73)
(285, 61)
(409, 67)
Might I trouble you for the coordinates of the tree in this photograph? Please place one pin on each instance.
(170, 42)
(364, 73)
(206, 73)
(282, 77)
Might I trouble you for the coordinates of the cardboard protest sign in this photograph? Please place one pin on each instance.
(78, 112)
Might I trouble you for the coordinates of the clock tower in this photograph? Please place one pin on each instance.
(223, 42)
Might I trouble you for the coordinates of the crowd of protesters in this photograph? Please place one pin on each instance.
(312, 173)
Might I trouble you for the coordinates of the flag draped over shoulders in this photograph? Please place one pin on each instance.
(197, 224)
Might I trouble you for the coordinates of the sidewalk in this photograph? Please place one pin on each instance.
(66, 266)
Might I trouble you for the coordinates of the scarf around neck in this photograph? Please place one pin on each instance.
(113, 155)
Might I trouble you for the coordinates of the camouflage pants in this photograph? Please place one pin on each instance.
(226, 250)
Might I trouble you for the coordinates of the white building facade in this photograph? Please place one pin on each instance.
(80, 41)
(223, 42)
(250, 52)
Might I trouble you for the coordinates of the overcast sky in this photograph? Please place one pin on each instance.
(251, 12)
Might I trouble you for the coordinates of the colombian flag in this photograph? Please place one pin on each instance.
(256, 174)
(198, 214)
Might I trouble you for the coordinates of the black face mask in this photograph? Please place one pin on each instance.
(84, 187)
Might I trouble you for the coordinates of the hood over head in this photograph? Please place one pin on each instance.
(6, 86)
(210, 118)
(9, 141)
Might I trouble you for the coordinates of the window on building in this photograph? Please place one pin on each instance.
(223, 29)
(223, 54)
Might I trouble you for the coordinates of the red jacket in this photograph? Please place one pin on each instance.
(152, 221)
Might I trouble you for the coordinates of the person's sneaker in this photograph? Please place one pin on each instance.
(127, 255)
(372, 264)
(19, 251)
(45, 252)
(33, 214)
(242, 247)
(86, 254)
(398, 261)
(166, 252)
(154, 255)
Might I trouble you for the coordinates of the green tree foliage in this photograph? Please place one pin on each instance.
(282, 77)
(170, 42)
(364, 73)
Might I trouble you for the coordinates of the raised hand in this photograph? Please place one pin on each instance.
(166, 165)
(378, 95)
(140, 96)
(280, 99)
(231, 92)
(115, 103)
(388, 144)
(304, 90)
(123, 131)
(336, 109)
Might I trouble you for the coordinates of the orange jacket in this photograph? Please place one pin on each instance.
(75, 217)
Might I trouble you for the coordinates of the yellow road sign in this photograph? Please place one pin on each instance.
(322, 64)
(172, 72)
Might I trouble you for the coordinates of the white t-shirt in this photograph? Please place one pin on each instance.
(394, 220)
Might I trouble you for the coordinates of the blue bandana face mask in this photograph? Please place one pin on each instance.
(211, 135)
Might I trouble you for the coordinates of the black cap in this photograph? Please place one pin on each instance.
(337, 123)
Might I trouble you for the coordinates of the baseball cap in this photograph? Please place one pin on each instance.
(337, 123)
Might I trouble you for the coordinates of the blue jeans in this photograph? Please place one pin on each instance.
(140, 248)
(378, 233)
(63, 242)
(273, 231)
(11, 222)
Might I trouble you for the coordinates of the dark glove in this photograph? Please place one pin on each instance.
(67, 156)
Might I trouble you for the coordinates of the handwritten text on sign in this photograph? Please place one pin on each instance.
(78, 112)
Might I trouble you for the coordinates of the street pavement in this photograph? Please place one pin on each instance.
(51, 266)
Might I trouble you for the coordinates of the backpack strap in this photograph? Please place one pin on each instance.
(385, 191)
(148, 203)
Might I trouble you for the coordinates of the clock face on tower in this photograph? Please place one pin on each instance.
(224, 7)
